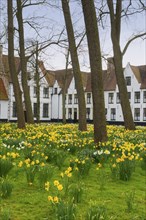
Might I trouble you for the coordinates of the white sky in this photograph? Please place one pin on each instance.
(54, 22)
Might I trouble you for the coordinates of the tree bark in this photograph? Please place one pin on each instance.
(76, 67)
(99, 120)
(37, 79)
(16, 86)
(29, 114)
(115, 19)
(64, 88)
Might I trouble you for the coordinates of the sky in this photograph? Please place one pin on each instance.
(51, 22)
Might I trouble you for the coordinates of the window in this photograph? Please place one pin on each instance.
(137, 97)
(29, 76)
(70, 99)
(88, 113)
(55, 90)
(35, 110)
(75, 99)
(144, 96)
(88, 98)
(129, 95)
(45, 110)
(34, 91)
(128, 81)
(69, 113)
(111, 98)
(113, 114)
(14, 110)
(118, 97)
(137, 114)
(144, 114)
(46, 92)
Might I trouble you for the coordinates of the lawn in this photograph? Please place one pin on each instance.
(55, 172)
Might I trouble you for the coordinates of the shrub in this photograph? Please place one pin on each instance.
(6, 188)
(96, 213)
(126, 168)
(76, 192)
(5, 167)
(65, 210)
(143, 161)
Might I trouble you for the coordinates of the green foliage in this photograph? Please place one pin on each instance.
(126, 168)
(5, 188)
(45, 174)
(5, 214)
(102, 178)
(65, 210)
(55, 156)
(44, 148)
(143, 161)
(76, 192)
(96, 212)
(5, 167)
(30, 174)
(129, 197)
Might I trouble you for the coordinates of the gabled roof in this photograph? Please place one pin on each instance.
(63, 77)
(109, 81)
(3, 93)
(49, 75)
(142, 70)
(6, 65)
(140, 74)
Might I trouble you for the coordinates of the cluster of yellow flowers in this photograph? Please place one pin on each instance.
(58, 185)
(47, 186)
(52, 199)
(67, 172)
(10, 155)
(28, 163)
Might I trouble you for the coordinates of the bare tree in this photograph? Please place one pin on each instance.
(99, 120)
(64, 87)
(29, 115)
(76, 67)
(37, 80)
(115, 18)
(16, 86)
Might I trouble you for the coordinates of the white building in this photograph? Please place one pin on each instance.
(135, 77)
(7, 99)
(53, 82)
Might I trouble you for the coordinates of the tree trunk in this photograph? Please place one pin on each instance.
(99, 120)
(16, 86)
(63, 106)
(29, 114)
(115, 35)
(76, 67)
(64, 88)
(37, 78)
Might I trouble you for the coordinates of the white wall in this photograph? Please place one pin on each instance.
(3, 109)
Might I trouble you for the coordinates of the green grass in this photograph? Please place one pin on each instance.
(29, 202)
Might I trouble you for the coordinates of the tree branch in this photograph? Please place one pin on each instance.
(129, 42)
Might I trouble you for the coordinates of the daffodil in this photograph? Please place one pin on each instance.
(56, 182)
(60, 187)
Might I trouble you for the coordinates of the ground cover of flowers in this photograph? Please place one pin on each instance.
(53, 171)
